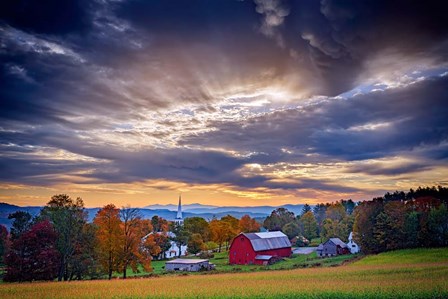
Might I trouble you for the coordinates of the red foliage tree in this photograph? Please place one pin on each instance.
(33, 256)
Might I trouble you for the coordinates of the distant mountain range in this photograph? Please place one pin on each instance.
(166, 211)
(198, 208)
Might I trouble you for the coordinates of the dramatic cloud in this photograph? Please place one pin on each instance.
(275, 101)
(363, 126)
(345, 35)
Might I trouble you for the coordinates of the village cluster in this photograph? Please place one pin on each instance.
(261, 248)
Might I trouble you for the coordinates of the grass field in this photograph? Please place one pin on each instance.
(420, 273)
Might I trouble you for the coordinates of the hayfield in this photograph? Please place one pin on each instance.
(420, 273)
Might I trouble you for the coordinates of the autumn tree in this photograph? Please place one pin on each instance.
(33, 254)
(162, 240)
(335, 212)
(195, 244)
(151, 246)
(68, 218)
(389, 229)
(366, 215)
(218, 230)
(248, 225)
(309, 225)
(278, 218)
(133, 229)
(110, 238)
(233, 228)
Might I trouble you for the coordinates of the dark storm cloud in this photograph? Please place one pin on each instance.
(343, 35)
(117, 70)
(49, 17)
(372, 125)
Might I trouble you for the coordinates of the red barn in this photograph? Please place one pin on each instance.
(259, 248)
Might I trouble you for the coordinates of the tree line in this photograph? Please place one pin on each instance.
(322, 221)
(61, 244)
(418, 218)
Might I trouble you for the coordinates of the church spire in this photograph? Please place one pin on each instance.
(179, 218)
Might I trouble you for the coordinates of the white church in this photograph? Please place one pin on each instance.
(173, 251)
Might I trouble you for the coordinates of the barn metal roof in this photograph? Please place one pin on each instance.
(263, 257)
(186, 261)
(337, 241)
(268, 240)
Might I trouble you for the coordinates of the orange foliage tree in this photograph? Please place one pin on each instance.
(134, 229)
(218, 230)
(151, 246)
(110, 238)
(233, 230)
(248, 225)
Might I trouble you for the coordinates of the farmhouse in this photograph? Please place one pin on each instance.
(334, 246)
(190, 265)
(259, 248)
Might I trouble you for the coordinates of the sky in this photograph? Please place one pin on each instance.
(228, 102)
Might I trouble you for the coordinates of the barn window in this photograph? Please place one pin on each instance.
(234, 253)
(242, 239)
(353, 246)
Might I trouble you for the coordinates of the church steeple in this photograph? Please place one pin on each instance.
(179, 219)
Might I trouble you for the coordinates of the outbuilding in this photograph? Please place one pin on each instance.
(352, 246)
(334, 246)
(259, 248)
(190, 265)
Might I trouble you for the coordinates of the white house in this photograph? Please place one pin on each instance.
(174, 249)
(352, 246)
